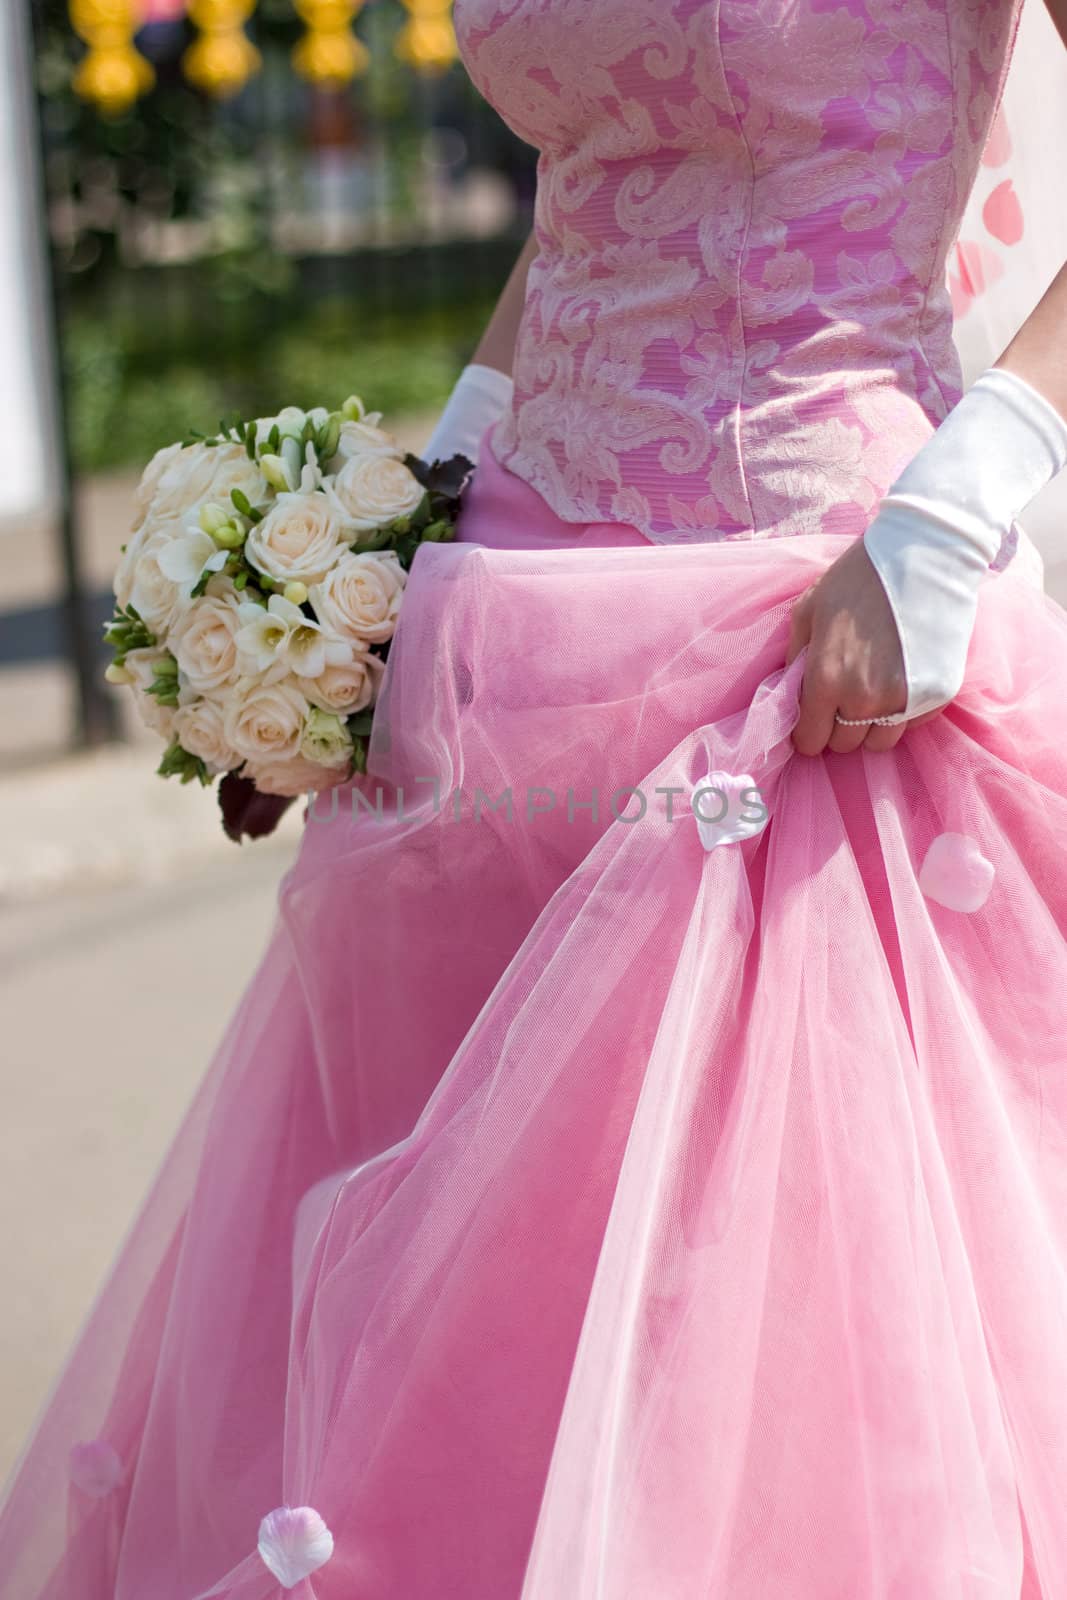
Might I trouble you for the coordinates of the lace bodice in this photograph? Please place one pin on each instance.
(738, 324)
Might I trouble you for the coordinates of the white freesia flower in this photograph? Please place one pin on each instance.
(360, 597)
(326, 740)
(185, 559)
(280, 631)
(289, 422)
(349, 686)
(276, 472)
(300, 538)
(371, 491)
(295, 469)
(260, 636)
(265, 721)
(204, 641)
(200, 728)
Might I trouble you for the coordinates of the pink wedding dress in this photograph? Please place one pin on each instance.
(573, 1212)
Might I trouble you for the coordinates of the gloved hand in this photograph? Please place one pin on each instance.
(480, 398)
(941, 523)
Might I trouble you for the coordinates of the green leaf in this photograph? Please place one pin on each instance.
(241, 501)
(179, 763)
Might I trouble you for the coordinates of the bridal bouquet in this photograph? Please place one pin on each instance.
(258, 593)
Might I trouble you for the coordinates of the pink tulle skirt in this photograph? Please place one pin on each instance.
(573, 1212)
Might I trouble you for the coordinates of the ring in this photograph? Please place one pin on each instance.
(863, 722)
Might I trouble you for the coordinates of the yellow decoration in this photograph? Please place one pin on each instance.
(329, 52)
(223, 58)
(113, 74)
(427, 39)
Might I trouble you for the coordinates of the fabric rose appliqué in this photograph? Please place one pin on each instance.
(294, 1542)
(728, 807)
(955, 873)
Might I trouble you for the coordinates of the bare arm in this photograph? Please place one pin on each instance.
(1038, 351)
(497, 346)
(484, 390)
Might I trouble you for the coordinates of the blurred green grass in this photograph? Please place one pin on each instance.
(126, 398)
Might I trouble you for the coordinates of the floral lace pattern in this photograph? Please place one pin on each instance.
(738, 325)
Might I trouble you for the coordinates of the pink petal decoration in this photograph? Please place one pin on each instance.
(1003, 215)
(728, 808)
(95, 1468)
(998, 145)
(959, 293)
(955, 873)
(294, 1542)
(978, 268)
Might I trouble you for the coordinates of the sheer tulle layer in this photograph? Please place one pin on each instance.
(573, 1212)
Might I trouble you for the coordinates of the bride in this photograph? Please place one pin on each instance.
(638, 1169)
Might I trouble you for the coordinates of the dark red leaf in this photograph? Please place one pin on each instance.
(245, 812)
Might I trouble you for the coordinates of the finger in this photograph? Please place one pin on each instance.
(846, 737)
(815, 725)
(885, 738)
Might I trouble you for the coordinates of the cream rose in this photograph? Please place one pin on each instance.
(371, 491)
(360, 598)
(299, 539)
(265, 722)
(151, 535)
(203, 472)
(200, 728)
(158, 602)
(151, 478)
(293, 777)
(347, 688)
(204, 642)
(364, 439)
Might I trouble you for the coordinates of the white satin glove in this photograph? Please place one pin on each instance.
(941, 523)
(480, 398)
